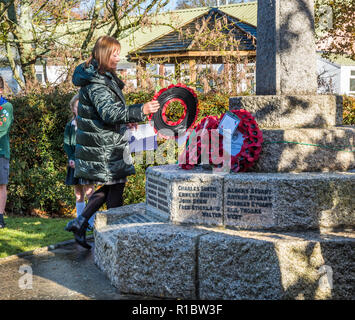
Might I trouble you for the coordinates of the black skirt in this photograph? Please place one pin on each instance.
(70, 180)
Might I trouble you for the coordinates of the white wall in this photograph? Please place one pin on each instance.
(56, 74)
(6, 73)
(330, 74)
(345, 80)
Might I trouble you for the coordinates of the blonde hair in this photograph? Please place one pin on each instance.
(72, 104)
(102, 51)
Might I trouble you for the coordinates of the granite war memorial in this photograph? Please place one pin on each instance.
(283, 230)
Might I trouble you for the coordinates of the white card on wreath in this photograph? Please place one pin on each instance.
(229, 123)
(142, 138)
(237, 143)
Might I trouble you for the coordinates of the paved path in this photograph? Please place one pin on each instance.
(65, 273)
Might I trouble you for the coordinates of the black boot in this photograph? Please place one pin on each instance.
(78, 226)
(2, 222)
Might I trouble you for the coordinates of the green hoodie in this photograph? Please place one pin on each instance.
(6, 119)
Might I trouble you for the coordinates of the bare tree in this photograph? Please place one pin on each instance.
(33, 30)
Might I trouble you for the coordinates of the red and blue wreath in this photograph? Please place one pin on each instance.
(241, 162)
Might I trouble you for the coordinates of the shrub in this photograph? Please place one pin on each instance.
(212, 104)
(38, 161)
(348, 110)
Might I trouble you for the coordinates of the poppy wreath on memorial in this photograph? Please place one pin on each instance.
(187, 98)
(248, 154)
(207, 123)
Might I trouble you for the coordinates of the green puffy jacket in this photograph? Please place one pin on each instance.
(101, 152)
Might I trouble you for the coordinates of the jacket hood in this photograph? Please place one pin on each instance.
(85, 75)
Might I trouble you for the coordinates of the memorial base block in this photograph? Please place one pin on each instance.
(252, 201)
(158, 259)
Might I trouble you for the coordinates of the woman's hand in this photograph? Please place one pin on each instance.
(132, 125)
(72, 164)
(151, 107)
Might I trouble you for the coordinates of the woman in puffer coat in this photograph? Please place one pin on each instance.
(101, 153)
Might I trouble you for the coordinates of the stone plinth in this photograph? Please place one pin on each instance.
(152, 259)
(286, 51)
(194, 262)
(307, 150)
(292, 111)
(237, 265)
(254, 201)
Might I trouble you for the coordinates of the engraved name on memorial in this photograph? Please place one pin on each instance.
(198, 202)
(157, 194)
(248, 206)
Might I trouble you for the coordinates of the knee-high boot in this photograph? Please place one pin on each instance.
(78, 226)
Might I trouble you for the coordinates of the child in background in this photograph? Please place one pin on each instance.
(6, 119)
(69, 148)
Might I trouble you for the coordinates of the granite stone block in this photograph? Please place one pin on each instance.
(286, 51)
(292, 111)
(307, 150)
(289, 201)
(193, 196)
(156, 259)
(238, 265)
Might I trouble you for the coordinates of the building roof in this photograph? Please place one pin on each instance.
(245, 12)
(174, 42)
(342, 60)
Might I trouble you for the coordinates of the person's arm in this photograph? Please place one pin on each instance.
(67, 147)
(111, 111)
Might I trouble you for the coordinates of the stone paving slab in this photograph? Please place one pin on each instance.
(67, 272)
(127, 214)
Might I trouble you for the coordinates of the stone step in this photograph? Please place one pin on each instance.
(252, 201)
(166, 260)
(292, 111)
(127, 214)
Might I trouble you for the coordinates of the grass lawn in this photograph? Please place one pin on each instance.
(26, 233)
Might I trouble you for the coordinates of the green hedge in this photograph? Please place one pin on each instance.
(349, 110)
(38, 162)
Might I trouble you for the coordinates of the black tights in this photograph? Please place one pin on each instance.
(112, 194)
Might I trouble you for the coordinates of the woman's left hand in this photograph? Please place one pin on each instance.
(132, 126)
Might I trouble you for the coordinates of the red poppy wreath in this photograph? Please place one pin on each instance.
(241, 160)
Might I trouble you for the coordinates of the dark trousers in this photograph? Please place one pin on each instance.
(111, 194)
